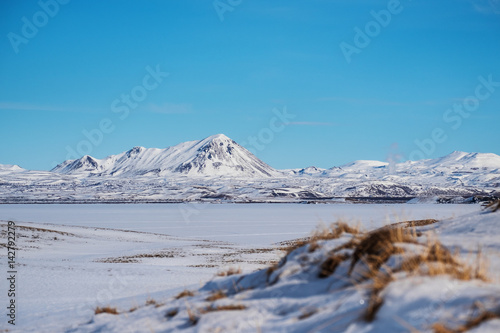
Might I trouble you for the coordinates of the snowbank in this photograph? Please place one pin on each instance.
(397, 278)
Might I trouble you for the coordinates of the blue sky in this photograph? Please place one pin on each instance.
(230, 65)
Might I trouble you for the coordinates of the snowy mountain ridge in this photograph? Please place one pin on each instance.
(212, 156)
(219, 155)
(218, 168)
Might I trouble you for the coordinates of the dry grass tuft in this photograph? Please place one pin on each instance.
(230, 271)
(217, 295)
(378, 246)
(471, 323)
(413, 223)
(275, 266)
(272, 268)
(434, 259)
(380, 281)
(106, 309)
(230, 307)
(193, 318)
(151, 301)
(172, 313)
(375, 248)
(184, 293)
(306, 313)
(329, 266)
(373, 306)
(313, 246)
(492, 206)
(289, 246)
(334, 231)
(438, 260)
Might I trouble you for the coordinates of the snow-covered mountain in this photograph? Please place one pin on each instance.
(10, 168)
(461, 160)
(213, 156)
(217, 168)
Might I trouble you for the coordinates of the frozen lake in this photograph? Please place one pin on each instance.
(244, 224)
(72, 258)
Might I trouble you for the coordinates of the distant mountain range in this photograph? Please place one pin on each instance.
(218, 168)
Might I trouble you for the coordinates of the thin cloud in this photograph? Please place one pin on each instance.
(486, 6)
(21, 106)
(310, 123)
(378, 102)
(361, 101)
(170, 108)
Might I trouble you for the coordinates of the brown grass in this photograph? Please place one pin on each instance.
(471, 323)
(375, 302)
(216, 295)
(413, 223)
(135, 258)
(23, 227)
(271, 270)
(184, 293)
(334, 231)
(492, 206)
(375, 248)
(151, 301)
(172, 313)
(329, 266)
(290, 246)
(106, 309)
(231, 307)
(434, 259)
(378, 246)
(438, 260)
(313, 246)
(230, 271)
(193, 318)
(306, 313)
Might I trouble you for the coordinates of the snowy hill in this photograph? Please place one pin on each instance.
(10, 168)
(398, 278)
(462, 160)
(363, 165)
(213, 156)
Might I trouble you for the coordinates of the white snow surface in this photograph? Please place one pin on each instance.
(73, 258)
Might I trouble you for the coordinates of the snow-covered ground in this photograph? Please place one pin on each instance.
(73, 258)
(245, 224)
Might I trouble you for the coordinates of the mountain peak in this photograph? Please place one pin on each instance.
(135, 151)
(218, 136)
(220, 155)
(214, 155)
(11, 167)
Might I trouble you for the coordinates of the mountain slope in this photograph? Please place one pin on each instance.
(216, 155)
